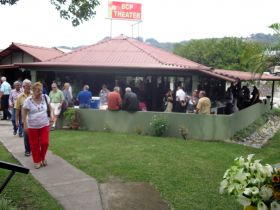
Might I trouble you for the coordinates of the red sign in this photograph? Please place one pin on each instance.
(124, 10)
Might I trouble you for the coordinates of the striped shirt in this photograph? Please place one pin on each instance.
(13, 97)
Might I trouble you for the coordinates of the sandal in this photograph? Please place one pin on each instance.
(44, 163)
(37, 165)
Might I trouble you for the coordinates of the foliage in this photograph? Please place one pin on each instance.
(252, 183)
(107, 128)
(76, 11)
(138, 130)
(183, 131)
(275, 27)
(226, 53)
(72, 117)
(5, 204)
(158, 125)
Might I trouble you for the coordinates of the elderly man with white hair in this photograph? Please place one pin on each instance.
(26, 84)
(5, 91)
(12, 102)
(130, 101)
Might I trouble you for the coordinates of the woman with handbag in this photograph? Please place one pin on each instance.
(37, 123)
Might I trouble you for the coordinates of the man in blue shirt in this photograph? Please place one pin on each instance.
(4, 97)
(84, 97)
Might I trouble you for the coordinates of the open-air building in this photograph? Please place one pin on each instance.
(121, 61)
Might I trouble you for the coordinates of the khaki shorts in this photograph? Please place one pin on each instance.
(56, 108)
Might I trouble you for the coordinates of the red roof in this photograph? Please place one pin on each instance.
(245, 76)
(40, 53)
(124, 52)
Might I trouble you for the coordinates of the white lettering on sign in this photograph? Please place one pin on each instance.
(131, 15)
(127, 6)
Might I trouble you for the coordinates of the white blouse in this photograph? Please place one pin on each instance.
(37, 113)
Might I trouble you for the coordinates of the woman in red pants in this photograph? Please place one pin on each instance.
(36, 122)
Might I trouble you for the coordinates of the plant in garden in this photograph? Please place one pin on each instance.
(72, 118)
(183, 131)
(253, 184)
(107, 128)
(138, 130)
(159, 125)
(5, 204)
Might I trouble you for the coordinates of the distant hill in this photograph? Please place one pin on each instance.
(267, 39)
(264, 38)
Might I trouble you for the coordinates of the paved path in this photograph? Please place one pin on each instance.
(70, 186)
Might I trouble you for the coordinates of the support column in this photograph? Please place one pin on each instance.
(195, 82)
(272, 94)
(154, 93)
(33, 76)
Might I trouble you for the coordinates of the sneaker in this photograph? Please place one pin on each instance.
(15, 133)
(37, 165)
(44, 163)
(20, 135)
(27, 154)
(52, 128)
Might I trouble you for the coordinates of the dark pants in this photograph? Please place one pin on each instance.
(20, 126)
(26, 142)
(5, 106)
(179, 107)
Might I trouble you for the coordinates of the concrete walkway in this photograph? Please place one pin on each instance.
(70, 186)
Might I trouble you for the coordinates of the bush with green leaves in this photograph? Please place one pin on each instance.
(5, 204)
(158, 125)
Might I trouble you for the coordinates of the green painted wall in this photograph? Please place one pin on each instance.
(204, 127)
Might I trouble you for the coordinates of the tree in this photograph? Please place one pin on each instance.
(75, 10)
(275, 27)
(225, 53)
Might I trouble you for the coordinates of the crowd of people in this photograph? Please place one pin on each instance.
(198, 102)
(238, 98)
(34, 112)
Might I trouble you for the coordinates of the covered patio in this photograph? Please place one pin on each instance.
(124, 61)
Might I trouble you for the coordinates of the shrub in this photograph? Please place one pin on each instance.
(159, 125)
(5, 204)
(183, 131)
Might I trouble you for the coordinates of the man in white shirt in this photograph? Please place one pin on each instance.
(180, 104)
(4, 96)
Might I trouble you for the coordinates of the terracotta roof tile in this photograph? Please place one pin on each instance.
(245, 76)
(124, 51)
(40, 53)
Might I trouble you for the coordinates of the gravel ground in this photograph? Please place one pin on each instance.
(260, 137)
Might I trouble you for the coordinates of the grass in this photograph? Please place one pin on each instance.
(23, 191)
(186, 173)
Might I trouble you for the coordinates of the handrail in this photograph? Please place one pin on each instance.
(13, 168)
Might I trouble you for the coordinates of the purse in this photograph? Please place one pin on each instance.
(48, 107)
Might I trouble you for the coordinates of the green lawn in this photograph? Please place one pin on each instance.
(23, 191)
(186, 173)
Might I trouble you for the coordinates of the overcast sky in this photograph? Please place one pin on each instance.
(36, 22)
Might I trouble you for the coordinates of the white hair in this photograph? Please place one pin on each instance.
(128, 89)
(3, 79)
(25, 82)
(17, 82)
(117, 88)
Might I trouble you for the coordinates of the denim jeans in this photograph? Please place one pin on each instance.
(84, 106)
(20, 127)
(26, 142)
